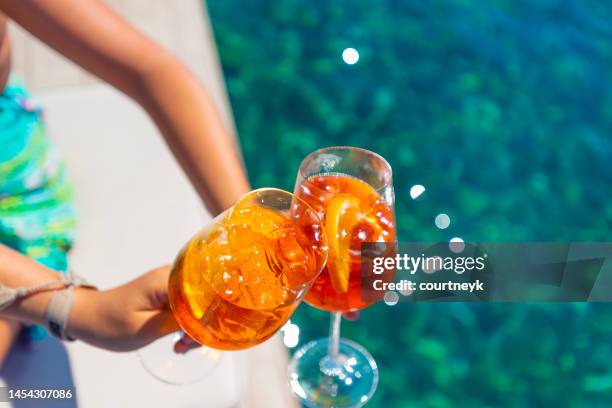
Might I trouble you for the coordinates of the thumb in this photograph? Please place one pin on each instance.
(184, 344)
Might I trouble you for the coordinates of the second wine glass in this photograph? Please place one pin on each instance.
(352, 190)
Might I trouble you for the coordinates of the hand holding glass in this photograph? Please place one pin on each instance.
(238, 281)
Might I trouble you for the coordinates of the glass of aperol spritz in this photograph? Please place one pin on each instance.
(352, 191)
(238, 280)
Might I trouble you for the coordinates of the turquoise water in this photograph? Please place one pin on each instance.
(503, 111)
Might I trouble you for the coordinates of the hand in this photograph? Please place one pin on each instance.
(124, 318)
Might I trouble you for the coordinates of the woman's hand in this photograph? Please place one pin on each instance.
(124, 318)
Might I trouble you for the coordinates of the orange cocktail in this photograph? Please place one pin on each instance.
(353, 212)
(352, 191)
(238, 281)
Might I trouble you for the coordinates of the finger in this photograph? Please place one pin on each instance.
(184, 344)
(154, 324)
(351, 315)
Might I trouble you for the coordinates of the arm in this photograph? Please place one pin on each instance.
(93, 36)
(124, 318)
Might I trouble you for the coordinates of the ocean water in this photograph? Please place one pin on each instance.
(503, 111)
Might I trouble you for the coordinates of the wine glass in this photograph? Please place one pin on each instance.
(352, 190)
(238, 280)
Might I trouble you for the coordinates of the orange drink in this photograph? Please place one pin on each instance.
(353, 212)
(240, 279)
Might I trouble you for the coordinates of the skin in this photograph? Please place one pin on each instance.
(126, 317)
(5, 53)
(107, 46)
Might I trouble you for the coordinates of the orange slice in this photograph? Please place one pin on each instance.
(341, 215)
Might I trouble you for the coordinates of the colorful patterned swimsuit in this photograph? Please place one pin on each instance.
(37, 216)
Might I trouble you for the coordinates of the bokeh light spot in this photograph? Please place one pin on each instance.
(416, 191)
(391, 298)
(442, 221)
(456, 245)
(350, 56)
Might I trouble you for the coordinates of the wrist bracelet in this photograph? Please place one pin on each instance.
(58, 310)
(58, 313)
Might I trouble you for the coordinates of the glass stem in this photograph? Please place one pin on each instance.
(334, 335)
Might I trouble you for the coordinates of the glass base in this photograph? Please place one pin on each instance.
(160, 360)
(349, 381)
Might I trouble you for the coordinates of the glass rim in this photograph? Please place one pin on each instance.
(387, 184)
(279, 190)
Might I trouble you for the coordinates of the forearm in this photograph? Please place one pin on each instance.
(123, 318)
(17, 271)
(110, 48)
(194, 131)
